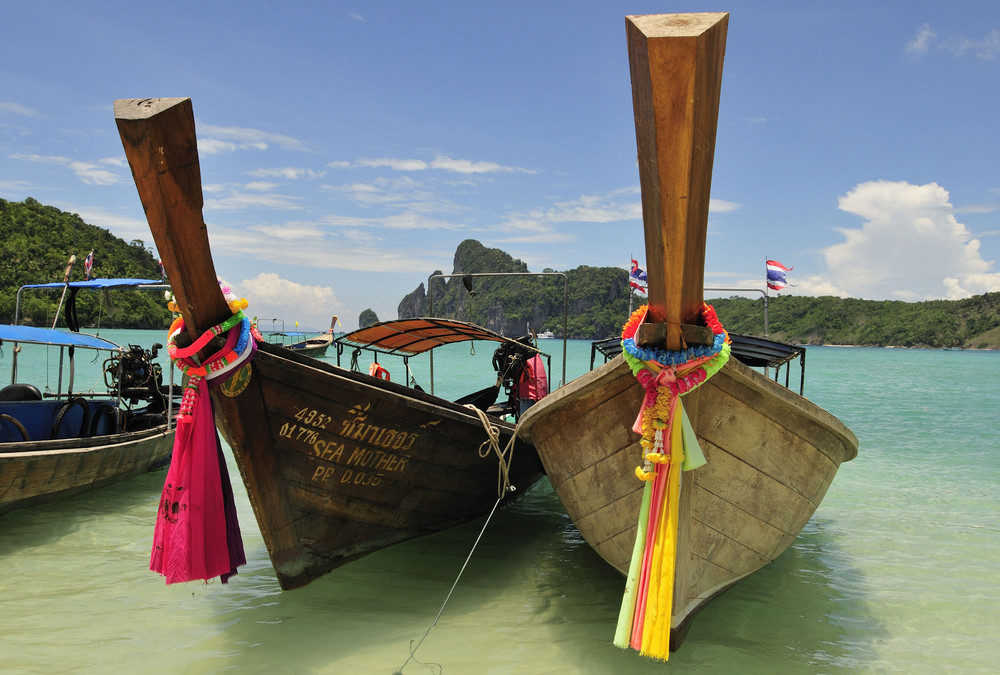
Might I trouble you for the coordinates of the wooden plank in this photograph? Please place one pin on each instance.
(675, 62)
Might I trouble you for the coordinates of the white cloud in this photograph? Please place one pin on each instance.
(272, 297)
(919, 44)
(288, 173)
(398, 193)
(342, 249)
(394, 164)
(722, 206)
(89, 173)
(260, 186)
(124, 227)
(415, 221)
(441, 162)
(469, 167)
(910, 247)
(17, 109)
(539, 225)
(214, 139)
(985, 48)
(236, 200)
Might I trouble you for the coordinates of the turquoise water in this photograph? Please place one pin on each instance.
(899, 570)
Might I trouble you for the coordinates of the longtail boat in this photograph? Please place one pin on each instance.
(314, 346)
(64, 442)
(770, 454)
(336, 463)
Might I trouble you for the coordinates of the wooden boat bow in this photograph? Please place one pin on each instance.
(162, 150)
(158, 135)
(675, 61)
(336, 463)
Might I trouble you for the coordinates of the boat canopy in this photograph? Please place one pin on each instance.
(54, 338)
(103, 283)
(416, 336)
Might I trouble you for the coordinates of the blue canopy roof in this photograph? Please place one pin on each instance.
(102, 283)
(55, 338)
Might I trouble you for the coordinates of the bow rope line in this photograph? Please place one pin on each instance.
(504, 458)
(492, 442)
(413, 650)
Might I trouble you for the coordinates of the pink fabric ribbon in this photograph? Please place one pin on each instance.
(197, 534)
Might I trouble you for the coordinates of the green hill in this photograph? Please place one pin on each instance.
(598, 306)
(970, 323)
(35, 244)
(37, 240)
(597, 296)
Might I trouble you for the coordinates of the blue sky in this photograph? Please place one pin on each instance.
(347, 148)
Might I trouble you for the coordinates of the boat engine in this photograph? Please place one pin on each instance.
(508, 361)
(136, 375)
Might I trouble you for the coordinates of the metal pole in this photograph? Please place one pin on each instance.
(748, 290)
(69, 269)
(430, 300)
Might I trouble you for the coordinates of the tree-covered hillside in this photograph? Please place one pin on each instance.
(597, 296)
(971, 323)
(36, 242)
(598, 306)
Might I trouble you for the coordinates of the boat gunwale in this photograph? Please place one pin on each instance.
(595, 378)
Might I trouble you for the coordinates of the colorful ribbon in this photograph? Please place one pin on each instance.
(669, 445)
(197, 533)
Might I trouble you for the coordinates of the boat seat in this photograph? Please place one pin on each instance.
(20, 392)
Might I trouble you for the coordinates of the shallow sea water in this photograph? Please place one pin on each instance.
(898, 571)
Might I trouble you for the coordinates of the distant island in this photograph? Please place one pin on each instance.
(599, 304)
(36, 241)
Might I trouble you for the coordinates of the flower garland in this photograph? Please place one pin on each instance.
(197, 533)
(669, 445)
(665, 375)
(240, 346)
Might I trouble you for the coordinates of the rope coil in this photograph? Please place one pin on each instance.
(492, 442)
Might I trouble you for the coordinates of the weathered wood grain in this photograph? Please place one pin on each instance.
(336, 464)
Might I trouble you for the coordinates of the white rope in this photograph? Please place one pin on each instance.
(504, 458)
(413, 650)
(492, 442)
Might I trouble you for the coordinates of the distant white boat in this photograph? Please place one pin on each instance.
(546, 335)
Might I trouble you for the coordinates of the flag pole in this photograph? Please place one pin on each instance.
(69, 269)
(765, 297)
(629, 287)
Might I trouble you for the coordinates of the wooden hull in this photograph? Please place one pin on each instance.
(39, 472)
(338, 464)
(315, 347)
(771, 457)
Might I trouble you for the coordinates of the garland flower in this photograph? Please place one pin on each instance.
(669, 445)
(665, 375)
(197, 533)
(241, 338)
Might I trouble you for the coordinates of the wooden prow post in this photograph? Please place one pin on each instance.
(675, 62)
(158, 135)
(159, 139)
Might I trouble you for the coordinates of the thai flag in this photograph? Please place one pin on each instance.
(88, 264)
(637, 277)
(776, 279)
(637, 273)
